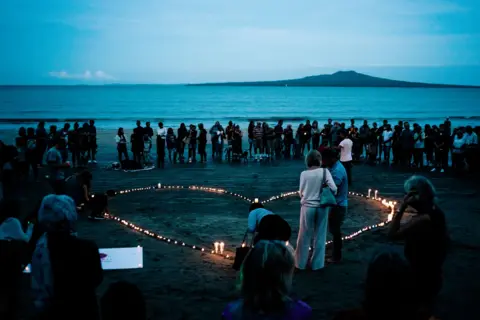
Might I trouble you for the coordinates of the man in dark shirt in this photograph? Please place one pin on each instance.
(442, 143)
(308, 135)
(92, 141)
(278, 138)
(364, 134)
(407, 143)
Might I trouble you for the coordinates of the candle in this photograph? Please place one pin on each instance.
(369, 192)
(222, 246)
(216, 244)
(376, 193)
(256, 200)
(159, 186)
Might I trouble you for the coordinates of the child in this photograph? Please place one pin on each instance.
(266, 277)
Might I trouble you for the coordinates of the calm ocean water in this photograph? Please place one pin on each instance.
(114, 106)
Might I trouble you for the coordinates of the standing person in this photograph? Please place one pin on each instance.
(148, 143)
(84, 144)
(278, 139)
(266, 279)
(308, 136)
(407, 143)
(315, 135)
(313, 218)
(64, 136)
(458, 151)
(171, 140)
(22, 166)
(73, 143)
(31, 152)
(182, 136)
(137, 143)
(270, 139)
(327, 132)
(345, 148)
(229, 133)
(57, 167)
(419, 147)
(251, 137)
(215, 138)
(425, 236)
(258, 134)
(52, 136)
(192, 144)
(202, 143)
(161, 136)
(337, 213)
(288, 141)
(472, 151)
(59, 255)
(387, 137)
(121, 141)
(92, 142)
(8, 155)
(364, 135)
(41, 143)
(237, 142)
(441, 150)
(429, 147)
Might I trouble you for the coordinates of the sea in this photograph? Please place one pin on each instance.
(122, 106)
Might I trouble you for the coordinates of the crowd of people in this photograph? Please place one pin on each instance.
(266, 274)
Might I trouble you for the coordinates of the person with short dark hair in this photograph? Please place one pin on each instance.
(123, 300)
(337, 213)
(202, 143)
(121, 140)
(266, 225)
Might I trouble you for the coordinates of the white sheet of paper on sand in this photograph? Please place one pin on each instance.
(117, 259)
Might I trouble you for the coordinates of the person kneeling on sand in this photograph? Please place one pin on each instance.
(266, 225)
(266, 278)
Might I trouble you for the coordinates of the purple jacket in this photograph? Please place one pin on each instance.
(298, 310)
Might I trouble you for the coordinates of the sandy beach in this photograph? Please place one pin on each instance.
(180, 283)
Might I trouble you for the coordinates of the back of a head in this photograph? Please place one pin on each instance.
(390, 288)
(266, 277)
(123, 300)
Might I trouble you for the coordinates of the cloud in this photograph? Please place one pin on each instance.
(87, 75)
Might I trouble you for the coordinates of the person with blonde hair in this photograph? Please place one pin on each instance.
(265, 281)
(425, 236)
(313, 217)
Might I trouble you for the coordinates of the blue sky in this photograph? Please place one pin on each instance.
(181, 41)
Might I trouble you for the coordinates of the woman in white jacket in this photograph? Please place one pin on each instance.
(313, 218)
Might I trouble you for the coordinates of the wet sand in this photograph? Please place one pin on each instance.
(180, 283)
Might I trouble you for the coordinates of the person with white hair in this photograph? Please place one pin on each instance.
(425, 236)
(313, 217)
(65, 270)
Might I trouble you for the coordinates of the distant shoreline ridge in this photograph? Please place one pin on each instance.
(347, 79)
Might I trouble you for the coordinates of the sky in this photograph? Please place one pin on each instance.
(189, 41)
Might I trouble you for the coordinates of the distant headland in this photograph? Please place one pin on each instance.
(337, 79)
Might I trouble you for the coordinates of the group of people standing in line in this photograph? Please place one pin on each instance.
(401, 144)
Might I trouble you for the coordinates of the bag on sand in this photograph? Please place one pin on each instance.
(327, 198)
(241, 253)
